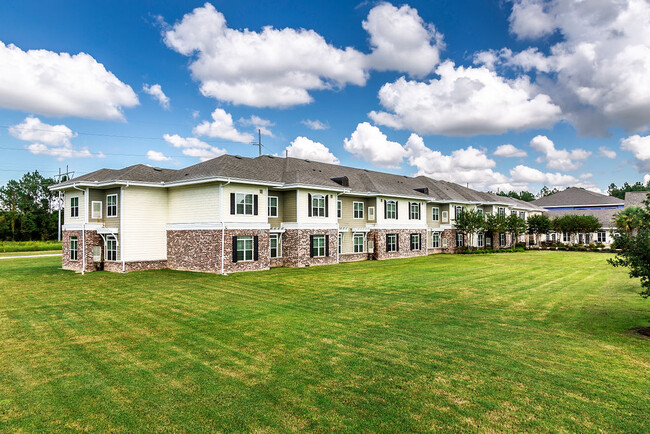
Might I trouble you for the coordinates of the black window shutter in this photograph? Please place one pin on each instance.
(256, 246)
(409, 210)
(254, 204)
(396, 210)
(387, 244)
(311, 246)
(411, 241)
(232, 203)
(309, 205)
(327, 208)
(327, 245)
(420, 210)
(397, 242)
(234, 249)
(385, 209)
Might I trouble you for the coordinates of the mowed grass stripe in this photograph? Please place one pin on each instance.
(536, 341)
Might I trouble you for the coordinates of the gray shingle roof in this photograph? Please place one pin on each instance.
(575, 196)
(290, 171)
(604, 216)
(635, 198)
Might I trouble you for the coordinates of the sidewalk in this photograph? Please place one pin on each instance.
(30, 256)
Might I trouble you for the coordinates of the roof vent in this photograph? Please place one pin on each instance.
(308, 161)
(238, 157)
(424, 190)
(342, 180)
(157, 169)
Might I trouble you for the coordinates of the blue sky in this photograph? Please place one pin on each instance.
(435, 88)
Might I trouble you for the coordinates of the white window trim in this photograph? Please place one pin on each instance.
(76, 248)
(278, 246)
(415, 208)
(315, 197)
(362, 210)
(394, 244)
(277, 205)
(480, 239)
(71, 206)
(419, 241)
(445, 216)
(108, 207)
(245, 238)
(460, 240)
(388, 213)
(435, 216)
(237, 204)
(371, 213)
(339, 209)
(315, 250)
(109, 239)
(456, 213)
(92, 209)
(433, 234)
(340, 240)
(363, 242)
(502, 244)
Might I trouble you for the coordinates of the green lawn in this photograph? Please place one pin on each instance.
(536, 341)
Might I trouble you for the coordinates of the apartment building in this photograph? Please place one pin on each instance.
(234, 214)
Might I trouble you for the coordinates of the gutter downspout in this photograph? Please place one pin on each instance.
(223, 225)
(122, 226)
(83, 229)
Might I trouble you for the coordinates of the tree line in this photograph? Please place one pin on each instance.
(27, 209)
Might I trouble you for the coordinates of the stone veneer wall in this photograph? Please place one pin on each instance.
(92, 239)
(404, 235)
(296, 248)
(352, 257)
(116, 266)
(200, 250)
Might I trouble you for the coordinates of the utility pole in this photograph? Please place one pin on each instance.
(67, 175)
(259, 141)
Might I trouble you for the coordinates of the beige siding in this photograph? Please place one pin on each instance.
(277, 221)
(194, 204)
(261, 216)
(82, 203)
(348, 242)
(348, 219)
(303, 208)
(144, 232)
(430, 222)
(290, 206)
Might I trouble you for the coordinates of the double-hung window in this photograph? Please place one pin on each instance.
(435, 240)
(244, 248)
(502, 211)
(479, 211)
(73, 249)
(391, 242)
(459, 240)
(513, 212)
(445, 216)
(111, 205)
(481, 239)
(244, 203)
(502, 239)
(111, 248)
(340, 242)
(371, 213)
(74, 206)
(318, 246)
(318, 205)
(522, 215)
(273, 206)
(275, 241)
(435, 214)
(459, 211)
(358, 243)
(391, 209)
(415, 241)
(96, 209)
(339, 209)
(357, 208)
(566, 237)
(414, 211)
(602, 236)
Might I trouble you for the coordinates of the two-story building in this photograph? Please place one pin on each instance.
(234, 213)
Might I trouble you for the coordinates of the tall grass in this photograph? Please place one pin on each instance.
(29, 246)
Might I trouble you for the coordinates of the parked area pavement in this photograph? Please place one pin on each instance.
(35, 255)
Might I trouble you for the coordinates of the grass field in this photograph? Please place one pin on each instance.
(30, 253)
(537, 341)
(28, 246)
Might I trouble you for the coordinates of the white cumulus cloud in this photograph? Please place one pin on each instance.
(464, 102)
(369, 143)
(53, 140)
(639, 146)
(60, 84)
(529, 19)
(315, 124)
(193, 147)
(559, 159)
(607, 153)
(263, 125)
(155, 90)
(509, 151)
(223, 127)
(302, 147)
(157, 156)
(402, 41)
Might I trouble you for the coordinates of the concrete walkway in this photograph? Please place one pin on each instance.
(30, 256)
